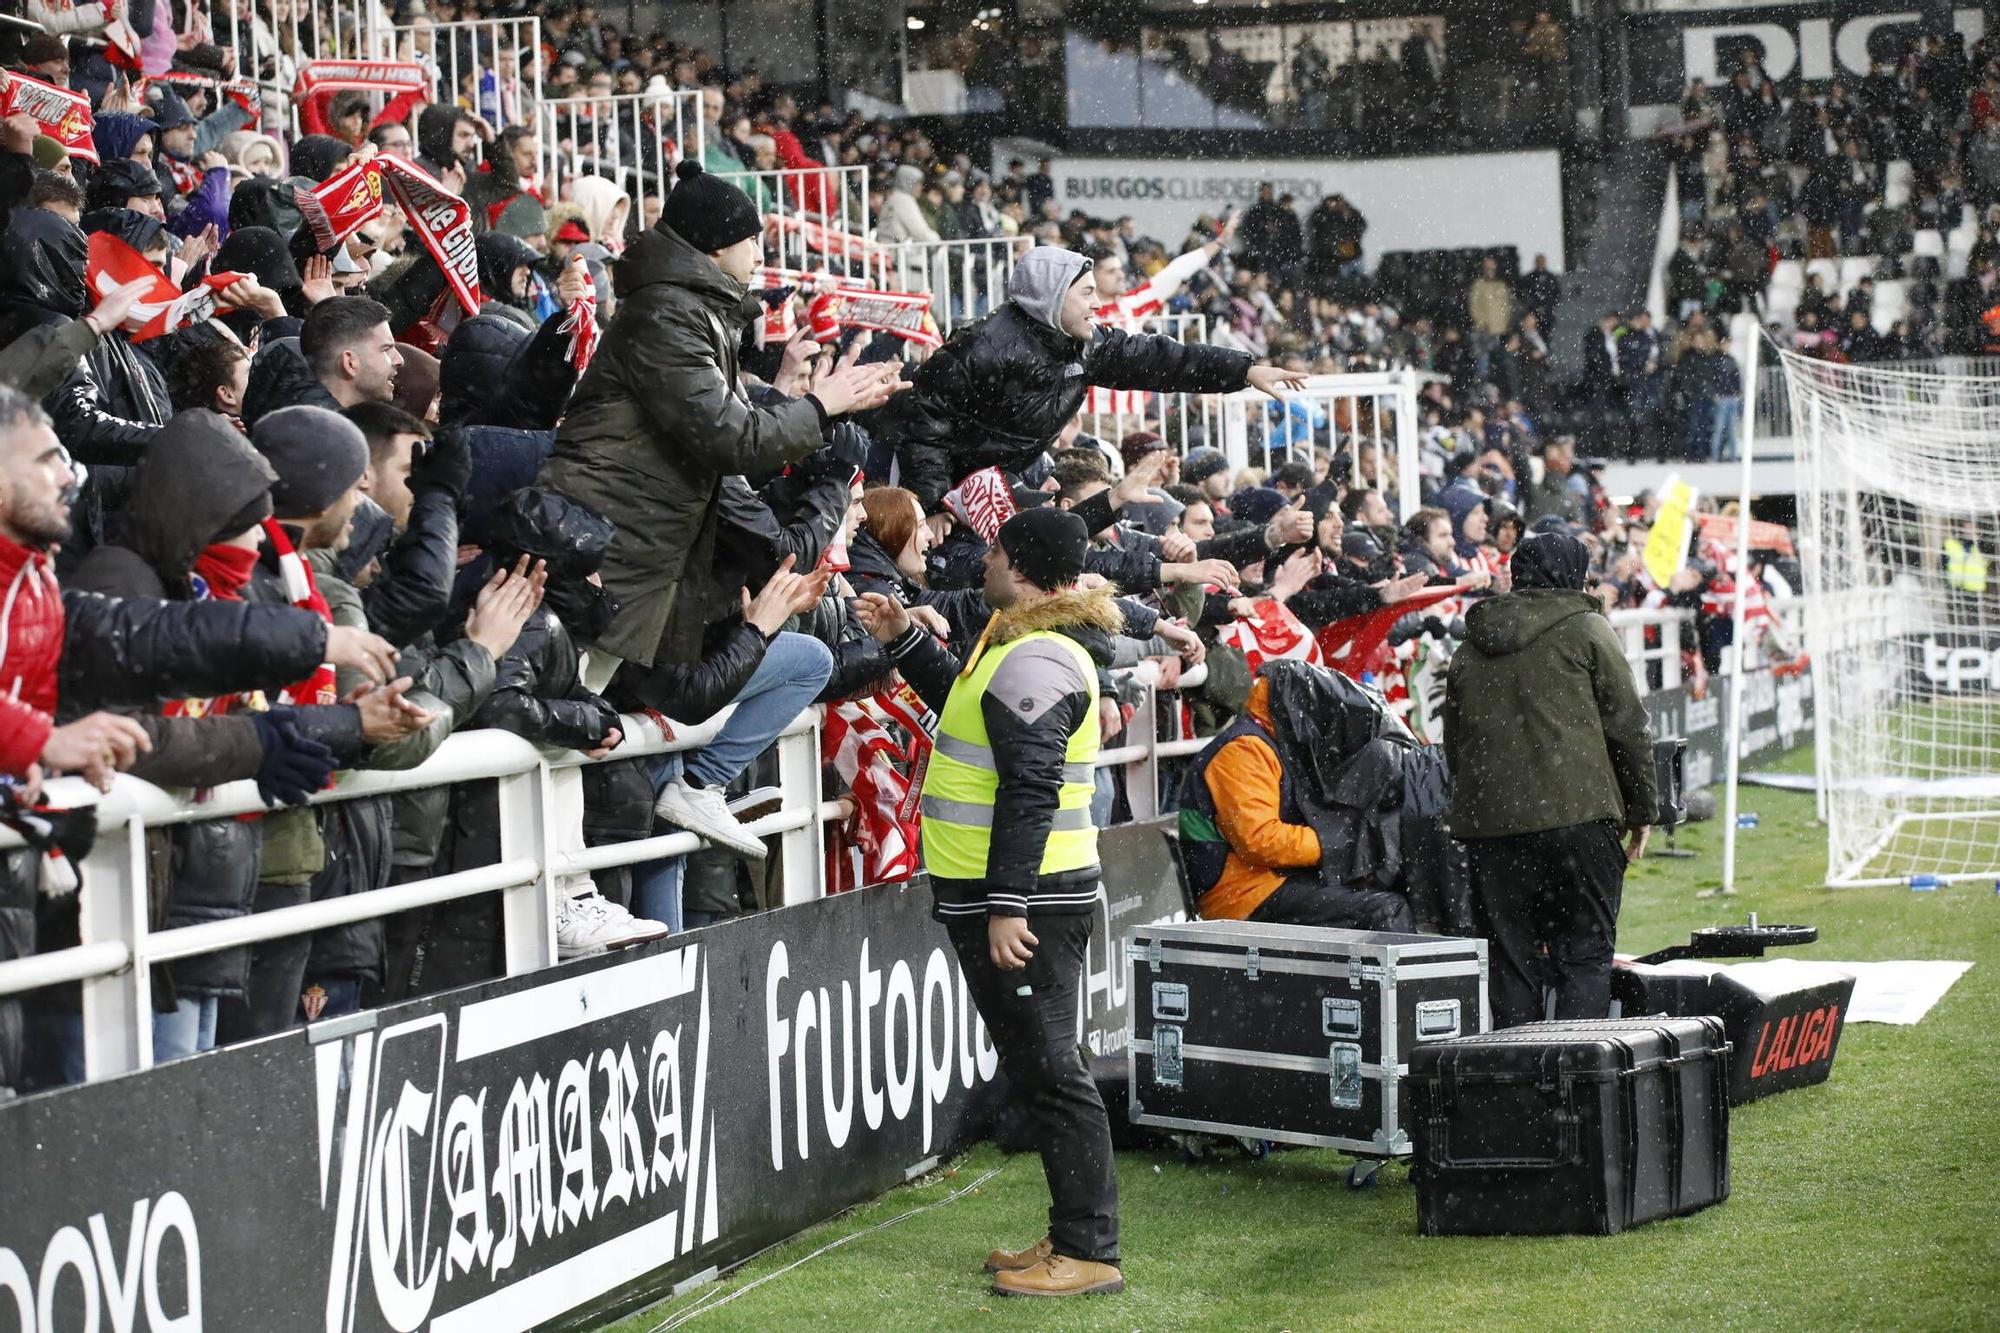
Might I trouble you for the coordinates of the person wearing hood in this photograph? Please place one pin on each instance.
(1551, 761)
(494, 373)
(124, 183)
(605, 210)
(1251, 846)
(661, 416)
(316, 157)
(199, 493)
(1002, 389)
(448, 140)
(507, 277)
(1012, 855)
(902, 216)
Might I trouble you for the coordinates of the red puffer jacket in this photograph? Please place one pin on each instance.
(31, 641)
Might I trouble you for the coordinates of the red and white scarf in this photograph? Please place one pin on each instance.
(303, 589)
(581, 326)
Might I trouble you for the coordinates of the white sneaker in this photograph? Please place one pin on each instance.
(701, 810)
(635, 929)
(589, 924)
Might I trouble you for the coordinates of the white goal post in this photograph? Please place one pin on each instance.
(1899, 527)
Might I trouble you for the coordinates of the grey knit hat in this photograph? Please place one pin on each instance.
(317, 455)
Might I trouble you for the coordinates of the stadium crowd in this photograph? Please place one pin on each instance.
(325, 518)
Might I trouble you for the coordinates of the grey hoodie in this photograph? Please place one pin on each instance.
(1040, 279)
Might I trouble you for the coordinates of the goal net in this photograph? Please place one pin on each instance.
(1899, 518)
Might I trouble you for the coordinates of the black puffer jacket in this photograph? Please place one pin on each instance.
(1001, 390)
(493, 373)
(280, 377)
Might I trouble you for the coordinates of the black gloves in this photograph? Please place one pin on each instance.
(446, 465)
(294, 766)
(849, 444)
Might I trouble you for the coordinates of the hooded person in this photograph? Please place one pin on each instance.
(437, 133)
(605, 209)
(122, 183)
(661, 416)
(1269, 831)
(538, 694)
(264, 202)
(263, 254)
(506, 274)
(902, 216)
(1551, 760)
(199, 495)
(495, 373)
(317, 156)
(1001, 390)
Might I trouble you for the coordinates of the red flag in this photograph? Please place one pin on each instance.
(861, 752)
(64, 115)
(1356, 644)
(112, 263)
(1273, 632)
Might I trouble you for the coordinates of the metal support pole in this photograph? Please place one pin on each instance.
(802, 862)
(118, 1008)
(1738, 679)
(527, 831)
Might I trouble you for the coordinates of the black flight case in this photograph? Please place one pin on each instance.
(1292, 1034)
(1570, 1127)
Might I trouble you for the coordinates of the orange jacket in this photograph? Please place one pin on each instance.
(1243, 779)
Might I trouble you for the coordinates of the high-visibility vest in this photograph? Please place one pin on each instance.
(962, 779)
(1964, 566)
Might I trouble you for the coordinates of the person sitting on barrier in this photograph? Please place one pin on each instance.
(1247, 841)
(539, 694)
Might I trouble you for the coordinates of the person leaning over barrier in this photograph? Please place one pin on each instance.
(1551, 759)
(1012, 856)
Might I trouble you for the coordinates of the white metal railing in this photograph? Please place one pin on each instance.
(819, 219)
(634, 140)
(540, 845)
(1179, 418)
(538, 849)
(968, 277)
(1360, 414)
(1632, 626)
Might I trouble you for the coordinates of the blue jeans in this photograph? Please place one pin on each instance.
(1722, 444)
(1695, 442)
(795, 669)
(188, 1030)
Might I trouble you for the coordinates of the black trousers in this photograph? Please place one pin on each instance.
(1032, 1016)
(270, 1002)
(1305, 900)
(1547, 904)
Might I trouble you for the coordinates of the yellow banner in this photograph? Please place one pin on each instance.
(1667, 544)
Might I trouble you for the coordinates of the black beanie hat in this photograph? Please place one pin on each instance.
(708, 212)
(1550, 560)
(317, 455)
(1047, 545)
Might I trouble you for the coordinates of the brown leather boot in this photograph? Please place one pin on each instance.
(1060, 1275)
(1014, 1261)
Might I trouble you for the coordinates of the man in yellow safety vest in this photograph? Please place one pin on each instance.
(1012, 857)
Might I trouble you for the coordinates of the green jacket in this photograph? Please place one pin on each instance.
(657, 422)
(1543, 727)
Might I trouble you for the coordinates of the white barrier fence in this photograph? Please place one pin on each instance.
(966, 278)
(541, 845)
(819, 218)
(1372, 417)
(634, 140)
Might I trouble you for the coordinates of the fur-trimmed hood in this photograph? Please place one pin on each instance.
(1091, 618)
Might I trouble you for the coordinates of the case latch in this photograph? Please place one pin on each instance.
(1170, 1001)
(1344, 1085)
(1167, 1067)
(1152, 954)
(1250, 959)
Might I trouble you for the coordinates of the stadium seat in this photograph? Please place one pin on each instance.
(1892, 302)
(1829, 274)
(1929, 241)
(1896, 184)
(1853, 269)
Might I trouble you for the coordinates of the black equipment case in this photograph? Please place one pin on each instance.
(1295, 1034)
(1783, 1017)
(1584, 1127)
